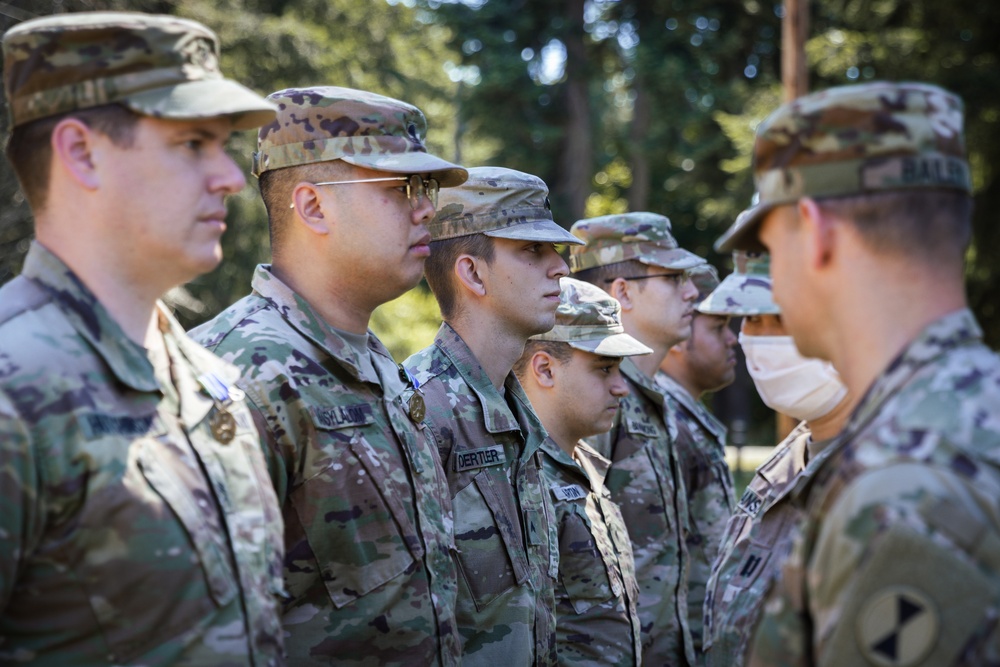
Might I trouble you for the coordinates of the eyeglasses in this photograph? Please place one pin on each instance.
(416, 187)
(679, 279)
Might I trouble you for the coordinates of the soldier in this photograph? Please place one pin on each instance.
(637, 259)
(495, 273)
(572, 377)
(349, 189)
(138, 524)
(751, 556)
(863, 202)
(704, 362)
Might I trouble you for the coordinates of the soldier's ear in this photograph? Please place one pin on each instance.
(820, 232)
(73, 152)
(469, 276)
(619, 289)
(308, 205)
(542, 369)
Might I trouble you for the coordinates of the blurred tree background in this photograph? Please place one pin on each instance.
(618, 104)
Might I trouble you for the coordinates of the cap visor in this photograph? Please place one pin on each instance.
(545, 231)
(742, 234)
(209, 98)
(740, 295)
(448, 175)
(678, 258)
(615, 345)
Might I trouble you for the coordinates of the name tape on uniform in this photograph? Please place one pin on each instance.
(571, 492)
(479, 458)
(99, 425)
(343, 416)
(750, 502)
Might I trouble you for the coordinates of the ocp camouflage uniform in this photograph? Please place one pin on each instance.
(130, 532)
(369, 569)
(645, 478)
(700, 443)
(489, 445)
(596, 618)
(757, 540)
(897, 558)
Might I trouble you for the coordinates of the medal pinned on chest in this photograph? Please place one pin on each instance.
(222, 423)
(416, 406)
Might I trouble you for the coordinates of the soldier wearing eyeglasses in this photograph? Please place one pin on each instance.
(349, 189)
(636, 259)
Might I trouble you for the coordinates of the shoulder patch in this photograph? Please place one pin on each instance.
(571, 492)
(897, 626)
(479, 458)
(342, 416)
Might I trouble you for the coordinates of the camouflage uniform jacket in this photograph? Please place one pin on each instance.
(646, 482)
(504, 526)
(368, 533)
(700, 442)
(897, 560)
(129, 533)
(756, 542)
(596, 618)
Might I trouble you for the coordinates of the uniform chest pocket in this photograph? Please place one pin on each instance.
(635, 485)
(583, 571)
(488, 537)
(351, 513)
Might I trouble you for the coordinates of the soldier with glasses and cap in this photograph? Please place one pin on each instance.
(636, 258)
(138, 525)
(863, 201)
(349, 189)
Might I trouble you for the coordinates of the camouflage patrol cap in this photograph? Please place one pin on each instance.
(644, 237)
(498, 202)
(590, 319)
(852, 140)
(745, 291)
(705, 278)
(160, 66)
(326, 123)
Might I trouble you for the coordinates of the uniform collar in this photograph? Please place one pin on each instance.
(643, 381)
(947, 333)
(300, 316)
(674, 389)
(127, 359)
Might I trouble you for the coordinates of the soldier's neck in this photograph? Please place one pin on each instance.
(494, 347)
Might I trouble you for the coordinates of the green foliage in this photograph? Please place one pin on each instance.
(407, 324)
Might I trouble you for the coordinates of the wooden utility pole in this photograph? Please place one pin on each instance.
(795, 82)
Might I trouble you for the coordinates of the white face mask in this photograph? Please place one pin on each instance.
(788, 382)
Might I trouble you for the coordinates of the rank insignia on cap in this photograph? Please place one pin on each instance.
(897, 627)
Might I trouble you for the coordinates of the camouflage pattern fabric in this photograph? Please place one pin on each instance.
(756, 543)
(504, 527)
(499, 202)
(130, 532)
(745, 291)
(645, 237)
(898, 558)
(369, 568)
(700, 444)
(596, 618)
(325, 123)
(850, 140)
(646, 481)
(160, 66)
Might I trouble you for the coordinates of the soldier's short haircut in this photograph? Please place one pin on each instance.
(439, 267)
(603, 276)
(933, 225)
(276, 186)
(557, 349)
(29, 148)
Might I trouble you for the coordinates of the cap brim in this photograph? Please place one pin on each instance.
(679, 258)
(615, 345)
(742, 234)
(740, 295)
(209, 98)
(545, 231)
(448, 175)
